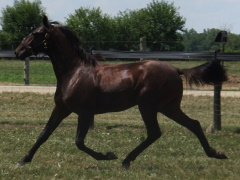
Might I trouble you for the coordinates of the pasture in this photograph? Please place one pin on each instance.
(176, 155)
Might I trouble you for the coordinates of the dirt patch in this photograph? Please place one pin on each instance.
(233, 81)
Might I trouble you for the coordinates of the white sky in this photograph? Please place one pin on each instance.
(199, 14)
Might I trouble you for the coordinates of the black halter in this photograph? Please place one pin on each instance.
(32, 50)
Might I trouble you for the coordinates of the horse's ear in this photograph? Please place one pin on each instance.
(46, 22)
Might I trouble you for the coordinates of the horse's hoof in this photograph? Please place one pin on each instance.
(126, 165)
(111, 156)
(20, 164)
(220, 155)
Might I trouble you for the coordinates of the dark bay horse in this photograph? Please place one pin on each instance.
(88, 87)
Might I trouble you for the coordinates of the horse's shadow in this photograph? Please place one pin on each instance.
(237, 131)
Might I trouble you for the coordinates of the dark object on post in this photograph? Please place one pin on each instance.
(221, 37)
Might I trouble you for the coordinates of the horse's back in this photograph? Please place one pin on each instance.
(146, 82)
(153, 74)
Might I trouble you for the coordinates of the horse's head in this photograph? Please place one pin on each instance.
(36, 42)
(52, 38)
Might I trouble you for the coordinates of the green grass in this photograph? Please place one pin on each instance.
(176, 155)
(41, 72)
(12, 72)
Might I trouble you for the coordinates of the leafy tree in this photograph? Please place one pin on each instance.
(4, 40)
(164, 23)
(130, 27)
(92, 26)
(209, 43)
(20, 19)
(159, 22)
(233, 43)
(190, 40)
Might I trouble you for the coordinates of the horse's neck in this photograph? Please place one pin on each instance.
(62, 64)
(66, 59)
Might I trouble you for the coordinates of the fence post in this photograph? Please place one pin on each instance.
(143, 46)
(217, 107)
(222, 38)
(217, 103)
(26, 71)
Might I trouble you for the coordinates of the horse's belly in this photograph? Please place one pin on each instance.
(114, 104)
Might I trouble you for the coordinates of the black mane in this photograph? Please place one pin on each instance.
(76, 44)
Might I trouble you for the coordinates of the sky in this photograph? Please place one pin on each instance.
(199, 14)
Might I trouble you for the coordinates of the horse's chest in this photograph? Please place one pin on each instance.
(78, 97)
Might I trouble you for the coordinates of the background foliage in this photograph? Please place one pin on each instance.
(19, 20)
(150, 22)
(160, 22)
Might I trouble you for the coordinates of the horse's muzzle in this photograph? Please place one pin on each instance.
(20, 55)
(22, 52)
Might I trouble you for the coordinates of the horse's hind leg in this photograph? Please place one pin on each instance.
(194, 126)
(56, 118)
(84, 121)
(153, 133)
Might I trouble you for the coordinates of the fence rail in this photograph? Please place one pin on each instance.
(7, 54)
(150, 55)
(169, 55)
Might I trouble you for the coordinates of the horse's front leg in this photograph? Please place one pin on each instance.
(84, 121)
(58, 114)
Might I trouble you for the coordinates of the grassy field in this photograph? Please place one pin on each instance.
(176, 155)
(41, 72)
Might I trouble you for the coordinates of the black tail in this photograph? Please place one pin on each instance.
(208, 73)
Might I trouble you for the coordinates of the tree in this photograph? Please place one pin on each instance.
(21, 19)
(164, 24)
(4, 40)
(194, 41)
(233, 43)
(130, 27)
(190, 40)
(92, 27)
(159, 22)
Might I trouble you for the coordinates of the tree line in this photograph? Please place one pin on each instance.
(160, 23)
